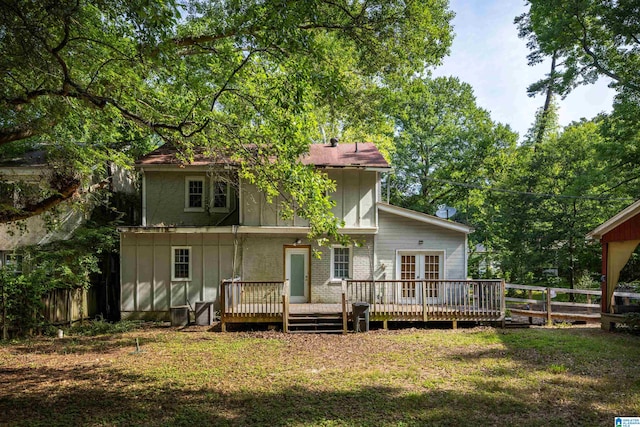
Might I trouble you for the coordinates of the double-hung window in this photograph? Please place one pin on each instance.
(180, 263)
(194, 194)
(340, 262)
(220, 196)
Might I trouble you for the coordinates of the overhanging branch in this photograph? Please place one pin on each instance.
(50, 202)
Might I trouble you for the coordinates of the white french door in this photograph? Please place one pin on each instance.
(422, 267)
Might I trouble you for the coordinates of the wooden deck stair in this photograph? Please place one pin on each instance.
(315, 323)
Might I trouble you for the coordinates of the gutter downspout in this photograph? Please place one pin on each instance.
(144, 198)
(234, 261)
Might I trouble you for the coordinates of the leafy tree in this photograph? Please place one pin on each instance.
(555, 191)
(95, 80)
(67, 264)
(590, 38)
(445, 144)
(586, 40)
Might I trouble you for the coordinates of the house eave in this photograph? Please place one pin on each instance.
(181, 168)
(427, 219)
(242, 229)
(355, 167)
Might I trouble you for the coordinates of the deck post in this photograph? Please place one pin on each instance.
(285, 313)
(424, 301)
(344, 313)
(549, 319)
(530, 296)
(223, 310)
(503, 300)
(454, 324)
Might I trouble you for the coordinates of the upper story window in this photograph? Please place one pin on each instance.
(181, 263)
(220, 197)
(340, 262)
(194, 194)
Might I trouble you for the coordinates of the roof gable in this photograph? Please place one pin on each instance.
(427, 219)
(615, 221)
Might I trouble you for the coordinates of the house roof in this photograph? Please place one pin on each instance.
(616, 220)
(428, 219)
(35, 158)
(342, 155)
(363, 154)
(27, 167)
(167, 155)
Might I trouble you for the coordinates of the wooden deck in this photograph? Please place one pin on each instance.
(382, 311)
(408, 300)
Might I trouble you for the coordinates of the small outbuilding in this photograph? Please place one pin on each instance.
(619, 236)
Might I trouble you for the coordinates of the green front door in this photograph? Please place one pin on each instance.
(297, 272)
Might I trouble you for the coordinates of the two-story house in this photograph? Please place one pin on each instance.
(201, 225)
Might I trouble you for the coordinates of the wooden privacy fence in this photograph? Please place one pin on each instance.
(66, 305)
(429, 299)
(550, 304)
(59, 307)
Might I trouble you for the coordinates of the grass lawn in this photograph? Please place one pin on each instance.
(479, 376)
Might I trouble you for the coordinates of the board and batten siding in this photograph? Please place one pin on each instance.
(355, 197)
(256, 211)
(399, 233)
(146, 285)
(165, 200)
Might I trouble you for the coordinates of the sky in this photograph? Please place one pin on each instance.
(487, 54)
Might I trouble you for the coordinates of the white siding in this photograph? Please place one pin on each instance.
(399, 233)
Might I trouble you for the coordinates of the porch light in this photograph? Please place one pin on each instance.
(297, 242)
(420, 242)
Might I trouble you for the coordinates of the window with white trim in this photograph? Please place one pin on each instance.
(180, 263)
(194, 194)
(340, 262)
(220, 196)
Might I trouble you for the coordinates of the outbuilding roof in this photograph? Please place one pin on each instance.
(358, 155)
(618, 219)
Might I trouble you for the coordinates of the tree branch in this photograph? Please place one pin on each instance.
(43, 205)
(16, 134)
(71, 190)
(584, 42)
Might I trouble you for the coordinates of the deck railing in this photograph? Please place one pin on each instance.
(243, 301)
(429, 299)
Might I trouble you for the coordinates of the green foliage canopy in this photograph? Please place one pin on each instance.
(442, 135)
(96, 80)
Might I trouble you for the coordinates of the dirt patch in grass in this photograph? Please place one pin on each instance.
(479, 376)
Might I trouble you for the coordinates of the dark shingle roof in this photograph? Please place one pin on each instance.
(342, 155)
